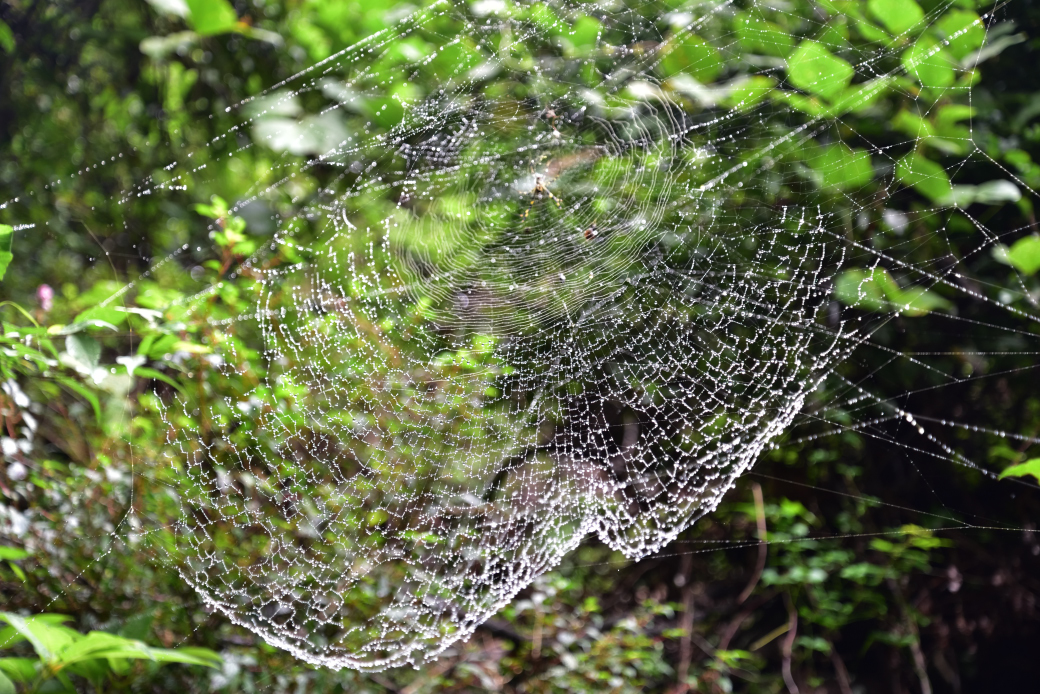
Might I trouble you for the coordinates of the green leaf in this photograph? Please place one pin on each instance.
(813, 69)
(841, 167)
(6, 236)
(693, 56)
(749, 92)
(6, 38)
(931, 65)
(107, 315)
(1024, 255)
(926, 177)
(964, 31)
(585, 32)
(211, 17)
(1030, 467)
(898, 16)
(47, 639)
(917, 301)
(760, 36)
(99, 644)
(12, 553)
(860, 289)
(6, 685)
(19, 669)
(84, 349)
(144, 372)
(989, 193)
(876, 290)
(84, 392)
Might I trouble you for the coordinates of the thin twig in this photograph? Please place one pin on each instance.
(788, 644)
(844, 684)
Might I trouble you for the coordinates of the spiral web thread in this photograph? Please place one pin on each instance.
(525, 319)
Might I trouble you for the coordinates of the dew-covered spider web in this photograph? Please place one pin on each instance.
(572, 269)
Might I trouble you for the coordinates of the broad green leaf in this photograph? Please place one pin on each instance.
(760, 36)
(964, 31)
(19, 669)
(989, 193)
(104, 314)
(6, 236)
(585, 32)
(1024, 255)
(806, 104)
(47, 639)
(749, 92)
(912, 125)
(814, 69)
(926, 176)
(860, 289)
(12, 553)
(929, 64)
(1030, 467)
(857, 97)
(876, 290)
(917, 301)
(9, 636)
(6, 685)
(841, 167)
(84, 349)
(693, 56)
(211, 17)
(6, 38)
(898, 16)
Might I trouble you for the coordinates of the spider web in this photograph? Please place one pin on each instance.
(579, 306)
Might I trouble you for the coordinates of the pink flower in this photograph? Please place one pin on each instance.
(45, 295)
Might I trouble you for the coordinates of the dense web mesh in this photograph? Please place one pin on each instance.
(577, 305)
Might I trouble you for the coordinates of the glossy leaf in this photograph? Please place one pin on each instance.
(760, 36)
(925, 176)
(6, 235)
(211, 17)
(693, 56)
(1024, 255)
(1030, 467)
(929, 64)
(841, 167)
(963, 30)
(898, 16)
(814, 69)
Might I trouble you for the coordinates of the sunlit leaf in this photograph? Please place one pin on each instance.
(211, 17)
(760, 36)
(841, 167)
(898, 16)
(929, 64)
(1030, 467)
(6, 685)
(46, 637)
(963, 30)
(814, 69)
(860, 289)
(1024, 255)
(6, 235)
(926, 176)
(693, 56)
(84, 349)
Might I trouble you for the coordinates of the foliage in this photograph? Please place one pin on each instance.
(61, 652)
